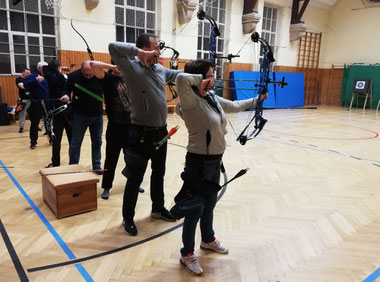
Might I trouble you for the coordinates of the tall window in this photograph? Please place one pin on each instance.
(134, 17)
(217, 10)
(28, 34)
(268, 31)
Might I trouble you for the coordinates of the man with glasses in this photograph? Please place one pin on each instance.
(145, 80)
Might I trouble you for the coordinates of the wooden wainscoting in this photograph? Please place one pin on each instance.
(229, 67)
(9, 91)
(335, 86)
(74, 59)
(328, 85)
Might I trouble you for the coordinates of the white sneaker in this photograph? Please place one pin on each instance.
(214, 246)
(192, 264)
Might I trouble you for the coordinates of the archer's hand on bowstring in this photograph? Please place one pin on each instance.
(65, 99)
(62, 68)
(40, 78)
(205, 86)
(148, 57)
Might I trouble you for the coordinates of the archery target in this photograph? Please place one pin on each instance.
(360, 85)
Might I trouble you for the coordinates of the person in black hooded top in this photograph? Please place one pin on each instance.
(119, 120)
(61, 120)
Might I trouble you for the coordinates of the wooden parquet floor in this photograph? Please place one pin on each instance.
(308, 210)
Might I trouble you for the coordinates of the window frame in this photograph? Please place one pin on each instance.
(125, 6)
(27, 35)
(268, 34)
(203, 53)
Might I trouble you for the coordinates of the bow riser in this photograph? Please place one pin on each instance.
(173, 65)
(263, 89)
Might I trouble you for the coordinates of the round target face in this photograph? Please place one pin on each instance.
(360, 84)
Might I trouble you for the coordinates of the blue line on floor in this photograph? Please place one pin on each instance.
(373, 276)
(56, 236)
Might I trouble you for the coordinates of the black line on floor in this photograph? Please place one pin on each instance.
(12, 253)
(74, 261)
(313, 145)
(355, 158)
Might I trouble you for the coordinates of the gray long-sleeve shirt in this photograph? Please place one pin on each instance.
(206, 125)
(146, 86)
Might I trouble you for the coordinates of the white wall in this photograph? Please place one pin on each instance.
(316, 20)
(97, 26)
(353, 34)
(348, 36)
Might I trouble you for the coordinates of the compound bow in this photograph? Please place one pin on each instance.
(88, 47)
(263, 89)
(264, 81)
(201, 15)
(173, 65)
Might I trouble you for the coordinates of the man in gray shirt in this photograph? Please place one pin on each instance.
(145, 80)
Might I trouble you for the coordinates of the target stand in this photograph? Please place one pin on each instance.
(362, 88)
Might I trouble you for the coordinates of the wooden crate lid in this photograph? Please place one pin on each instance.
(66, 179)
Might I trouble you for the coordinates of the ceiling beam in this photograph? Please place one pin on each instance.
(296, 12)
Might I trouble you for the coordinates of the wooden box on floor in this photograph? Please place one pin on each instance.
(69, 193)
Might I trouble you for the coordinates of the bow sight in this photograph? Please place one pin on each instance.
(173, 65)
(173, 59)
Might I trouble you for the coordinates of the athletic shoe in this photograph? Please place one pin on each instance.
(105, 195)
(33, 146)
(191, 263)
(21, 130)
(214, 246)
(130, 227)
(163, 214)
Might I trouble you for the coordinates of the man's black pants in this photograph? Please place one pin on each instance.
(116, 139)
(35, 114)
(140, 150)
(60, 123)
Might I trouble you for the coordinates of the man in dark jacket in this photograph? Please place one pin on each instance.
(59, 115)
(37, 86)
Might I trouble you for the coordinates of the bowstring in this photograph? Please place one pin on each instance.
(200, 4)
(256, 71)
